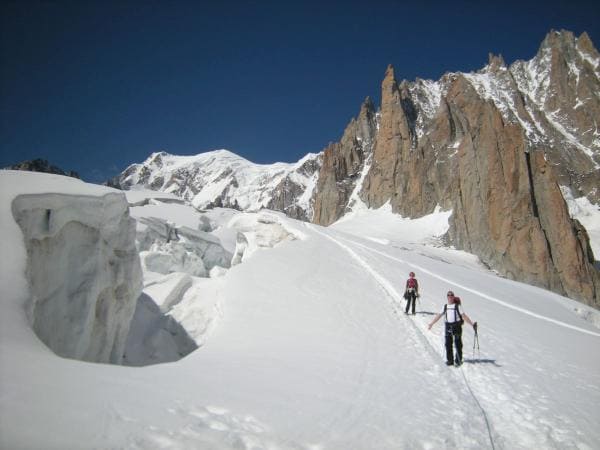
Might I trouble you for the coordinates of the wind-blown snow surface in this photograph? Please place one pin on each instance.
(311, 350)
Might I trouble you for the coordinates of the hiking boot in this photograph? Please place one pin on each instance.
(449, 363)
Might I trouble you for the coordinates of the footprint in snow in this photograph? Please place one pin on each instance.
(217, 410)
(219, 426)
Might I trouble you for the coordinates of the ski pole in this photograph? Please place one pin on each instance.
(476, 341)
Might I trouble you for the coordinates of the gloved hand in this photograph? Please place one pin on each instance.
(475, 326)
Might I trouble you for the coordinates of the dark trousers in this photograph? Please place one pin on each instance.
(453, 335)
(412, 297)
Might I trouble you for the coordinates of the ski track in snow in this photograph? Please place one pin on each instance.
(519, 399)
(473, 291)
(416, 333)
(482, 388)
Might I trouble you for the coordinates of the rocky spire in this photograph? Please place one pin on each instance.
(389, 78)
(342, 164)
(495, 62)
(392, 144)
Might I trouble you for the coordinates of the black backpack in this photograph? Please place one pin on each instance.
(460, 319)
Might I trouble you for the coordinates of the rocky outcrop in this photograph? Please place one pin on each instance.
(342, 165)
(567, 241)
(560, 87)
(43, 166)
(293, 195)
(495, 147)
(509, 209)
(402, 171)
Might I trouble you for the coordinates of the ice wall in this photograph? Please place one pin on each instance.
(166, 248)
(83, 270)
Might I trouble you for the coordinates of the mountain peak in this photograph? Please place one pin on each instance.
(389, 74)
(584, 40)
(585, 45)
(367, 105)
(495, 62)
(558, 39)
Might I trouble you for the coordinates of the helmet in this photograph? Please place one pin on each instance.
(412, 274)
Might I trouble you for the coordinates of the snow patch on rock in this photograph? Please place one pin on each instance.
(588, 215)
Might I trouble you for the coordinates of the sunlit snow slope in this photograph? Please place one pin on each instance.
(310, 349)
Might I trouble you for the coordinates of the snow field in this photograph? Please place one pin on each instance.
(348, 363)
(304, 345)
(520, 396)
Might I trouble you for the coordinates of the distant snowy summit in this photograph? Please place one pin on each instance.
(502, 148)
(221, 178)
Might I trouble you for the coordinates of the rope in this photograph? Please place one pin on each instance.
(487, 423)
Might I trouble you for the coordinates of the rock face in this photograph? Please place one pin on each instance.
(293, 194)
(83, 270)
(495, 147)
(342, 166)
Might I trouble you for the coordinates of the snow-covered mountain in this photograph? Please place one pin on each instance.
(300, 342)
(222, 178)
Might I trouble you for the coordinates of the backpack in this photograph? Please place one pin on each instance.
(460, 319)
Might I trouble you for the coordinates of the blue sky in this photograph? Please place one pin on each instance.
(95, 86)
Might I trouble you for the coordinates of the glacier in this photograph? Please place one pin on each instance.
(303, 345)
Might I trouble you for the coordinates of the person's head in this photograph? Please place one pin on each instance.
(450, 297)
(412, 274)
